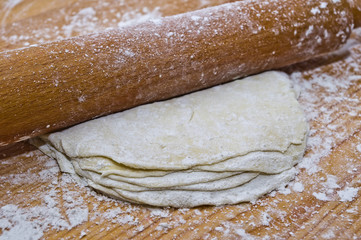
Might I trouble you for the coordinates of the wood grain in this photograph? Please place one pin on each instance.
(70, 81)
(331, 96)
(43, 24)
(14, 11)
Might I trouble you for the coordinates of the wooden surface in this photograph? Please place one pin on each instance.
(36, 198)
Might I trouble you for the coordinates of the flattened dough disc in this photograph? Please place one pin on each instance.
(252, 126)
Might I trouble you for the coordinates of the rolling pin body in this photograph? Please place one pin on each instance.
(55, 85)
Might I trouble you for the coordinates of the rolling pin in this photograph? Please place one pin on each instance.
(55, 85)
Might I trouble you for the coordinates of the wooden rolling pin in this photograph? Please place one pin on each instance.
(59, 84)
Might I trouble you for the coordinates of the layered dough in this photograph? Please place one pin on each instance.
(224, 145)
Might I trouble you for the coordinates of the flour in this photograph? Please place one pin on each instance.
(18, 223)
(331, 183)
(348, 194)
(320, 196)
(298, 187)
(83, 21)
(35, 220)
(9, 4)
(266, 219)
(329, 90)
(328, 235)
(137, 17)
(242, 233)
(157, 212)
(358, 148)
(318, 94)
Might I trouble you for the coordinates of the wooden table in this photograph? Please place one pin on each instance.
(322, 203)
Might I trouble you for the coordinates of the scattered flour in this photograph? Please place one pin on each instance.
(266, 219)
(162, 226)
(19, 224)
(298, 187)
(328, 235)
(158, 212)
(242, 233)
(320, 196)
(127, 219)
(331, 182)
(284, 190)
(347, 194)
(328, 191)
(84, 21)
(30, 222)
(319, 93)
(358, 148)
(137, 17)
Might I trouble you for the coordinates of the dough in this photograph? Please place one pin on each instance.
(224, 145)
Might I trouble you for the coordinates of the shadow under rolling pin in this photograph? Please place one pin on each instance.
(51, 86)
